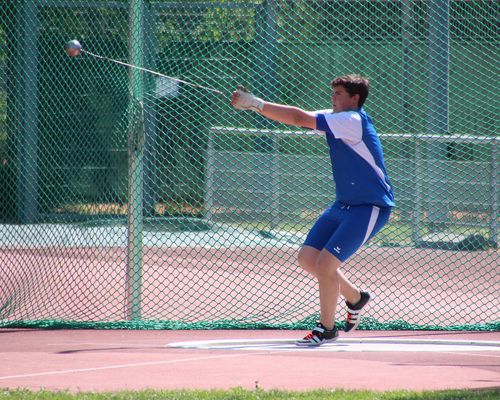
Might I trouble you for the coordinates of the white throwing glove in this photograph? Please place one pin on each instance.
(242, 100)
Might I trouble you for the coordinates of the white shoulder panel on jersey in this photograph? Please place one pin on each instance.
(345, 125)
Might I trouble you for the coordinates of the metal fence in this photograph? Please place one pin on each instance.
(135, 200)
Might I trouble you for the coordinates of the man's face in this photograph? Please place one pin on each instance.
(342, 101)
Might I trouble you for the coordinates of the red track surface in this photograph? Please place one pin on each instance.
(91, 360)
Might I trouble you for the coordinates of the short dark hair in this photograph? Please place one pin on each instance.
(354, 84)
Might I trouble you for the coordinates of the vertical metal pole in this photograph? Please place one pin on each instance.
(439, 70)
(407, 35)
(406, 59)
(135, 163)
(265, 77)
(275, 182)
(417, 210)
(150, 118)
(494, 193)
(209, 174)
(266, 51)
(438, 107)
(28, 187)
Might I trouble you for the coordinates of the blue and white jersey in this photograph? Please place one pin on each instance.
(357, 158)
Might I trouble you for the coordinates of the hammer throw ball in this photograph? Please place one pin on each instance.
(73, 48)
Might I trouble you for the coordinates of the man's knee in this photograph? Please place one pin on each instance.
(308, 257)
(327, 264)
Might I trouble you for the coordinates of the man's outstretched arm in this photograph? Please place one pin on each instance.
(290, 115)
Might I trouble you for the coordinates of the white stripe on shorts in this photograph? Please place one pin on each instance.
(371, 223)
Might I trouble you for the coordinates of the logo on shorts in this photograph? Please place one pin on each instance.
(337, 249)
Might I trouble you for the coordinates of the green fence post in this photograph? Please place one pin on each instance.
(135, 162)
(438, 108)
(265, 77)
(494, 193)
(26, 33)
(407, 37)
(151, 187)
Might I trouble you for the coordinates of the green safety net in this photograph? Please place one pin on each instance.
(132, 199)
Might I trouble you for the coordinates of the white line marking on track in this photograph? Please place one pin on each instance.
(104, 345)
(475, 353)
(143, 364)
(346, 345)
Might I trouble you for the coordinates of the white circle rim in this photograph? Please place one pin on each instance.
(345, 345)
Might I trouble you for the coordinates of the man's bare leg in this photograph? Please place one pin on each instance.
(329, 287)
(308, 260)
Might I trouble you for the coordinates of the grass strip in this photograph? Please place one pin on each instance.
(256, 394)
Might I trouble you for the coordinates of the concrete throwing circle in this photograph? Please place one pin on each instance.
(345, 345)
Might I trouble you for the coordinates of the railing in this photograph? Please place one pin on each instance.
(429, 175)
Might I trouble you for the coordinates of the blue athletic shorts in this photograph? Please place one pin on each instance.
(342, 229)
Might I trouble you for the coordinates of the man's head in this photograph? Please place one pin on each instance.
(349, 92)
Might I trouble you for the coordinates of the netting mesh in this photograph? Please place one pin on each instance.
(129, 199)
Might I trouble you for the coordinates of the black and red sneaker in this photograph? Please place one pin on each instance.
(318, 336)
(354, 312)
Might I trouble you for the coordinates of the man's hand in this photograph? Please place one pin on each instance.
(242, 100)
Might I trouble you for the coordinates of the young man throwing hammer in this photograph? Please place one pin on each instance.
(364, 196)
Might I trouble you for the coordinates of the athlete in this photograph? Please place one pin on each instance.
(364, 196)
